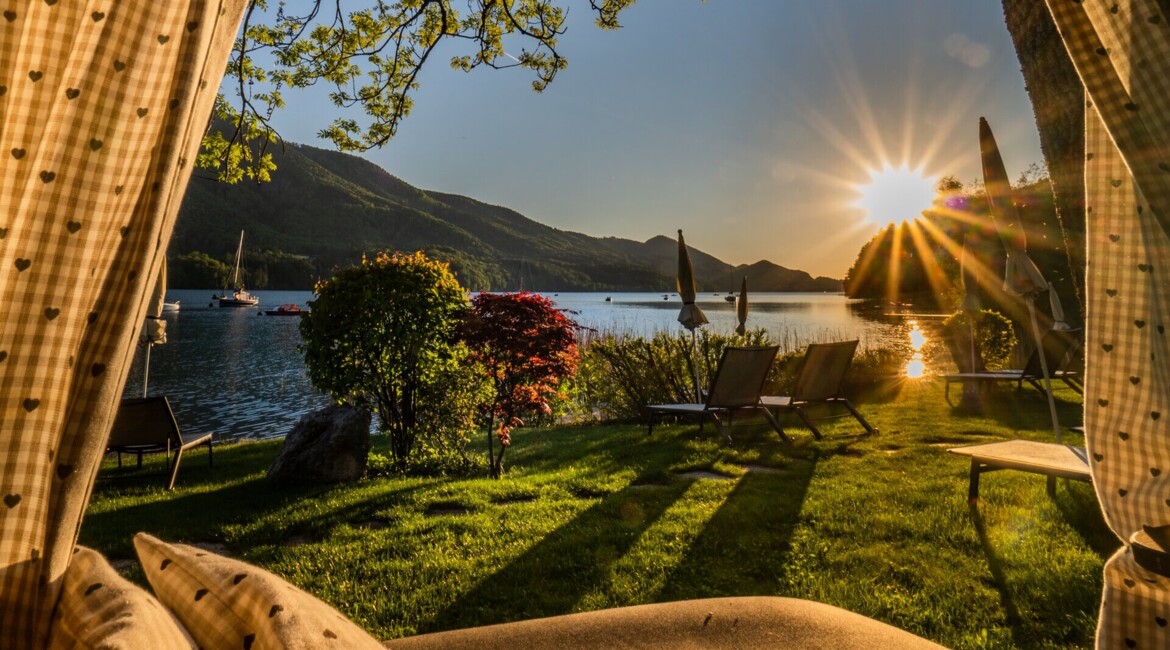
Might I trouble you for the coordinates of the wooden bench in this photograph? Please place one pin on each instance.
(1047, 458)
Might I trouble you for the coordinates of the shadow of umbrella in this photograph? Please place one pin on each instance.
(690, 315)
(1021, 276)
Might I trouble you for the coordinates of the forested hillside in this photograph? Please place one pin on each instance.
(324, 209)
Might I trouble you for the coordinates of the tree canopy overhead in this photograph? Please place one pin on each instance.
(371, 58)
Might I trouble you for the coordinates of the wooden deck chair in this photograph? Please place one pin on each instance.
(819, 383)
(1050, 459)
(1062, 351)
(738, 381)
(147, 426)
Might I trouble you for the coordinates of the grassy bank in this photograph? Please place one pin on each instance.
(604, 516)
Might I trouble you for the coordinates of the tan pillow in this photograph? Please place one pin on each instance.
(227, 603)
(101, 609)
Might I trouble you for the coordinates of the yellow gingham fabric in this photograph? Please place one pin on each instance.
(99, 608)
(102, 105)
(226, 603)
(1121, 49)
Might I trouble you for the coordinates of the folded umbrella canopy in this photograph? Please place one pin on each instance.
(690, 315)
(1021, 276)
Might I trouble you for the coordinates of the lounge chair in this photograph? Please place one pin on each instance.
(1050, 459)
(147, 426)
(738, 381)
(819, 383)
(1062, 351)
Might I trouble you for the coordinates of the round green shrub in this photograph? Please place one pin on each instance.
(995, 337)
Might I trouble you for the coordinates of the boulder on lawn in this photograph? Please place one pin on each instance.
(329, 445)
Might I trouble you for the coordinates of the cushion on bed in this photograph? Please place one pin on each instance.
(101, 609)
(227, 603)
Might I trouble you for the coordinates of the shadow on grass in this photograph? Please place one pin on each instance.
(1079, 506)
(565, 564)
(752, 529)
(995, 565)
(181, 516)
(270, 513)
(1021, 408)
(576, 557)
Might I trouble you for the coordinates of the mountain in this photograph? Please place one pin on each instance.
(324, 209)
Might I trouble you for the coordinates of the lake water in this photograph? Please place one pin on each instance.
(236, 372)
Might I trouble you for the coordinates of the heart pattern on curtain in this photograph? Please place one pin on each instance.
(102, 108)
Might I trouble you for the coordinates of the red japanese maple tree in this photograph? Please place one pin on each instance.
(526, 346)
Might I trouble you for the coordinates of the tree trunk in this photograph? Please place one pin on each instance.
(1058, 104)
(491, 447)
(498, 463)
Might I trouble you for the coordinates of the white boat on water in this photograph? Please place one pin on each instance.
(171, 306)
(239, 297)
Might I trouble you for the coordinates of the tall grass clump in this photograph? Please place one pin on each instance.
(620, 374)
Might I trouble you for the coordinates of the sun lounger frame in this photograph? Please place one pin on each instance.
(1046, 458)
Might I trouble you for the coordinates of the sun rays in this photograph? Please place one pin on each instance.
(896, 194)
(921, 256)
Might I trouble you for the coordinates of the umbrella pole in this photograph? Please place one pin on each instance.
(146, 369)
(1044, 366)
(970, 390)
(694, 345)
(971, 342)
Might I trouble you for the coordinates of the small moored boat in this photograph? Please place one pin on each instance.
(171, 306)
(284, 310)
(238, 297)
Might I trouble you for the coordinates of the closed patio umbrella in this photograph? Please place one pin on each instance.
(156, 327)
(1021, 276)
(741, 308)
(690, 315)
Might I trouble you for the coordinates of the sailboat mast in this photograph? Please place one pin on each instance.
(239, 252)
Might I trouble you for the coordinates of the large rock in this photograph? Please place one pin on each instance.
(328, 445)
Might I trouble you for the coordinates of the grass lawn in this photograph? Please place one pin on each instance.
(604, 516)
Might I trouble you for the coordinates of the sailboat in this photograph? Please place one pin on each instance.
(238, 297)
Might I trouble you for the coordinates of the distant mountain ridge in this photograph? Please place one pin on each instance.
(325, 208)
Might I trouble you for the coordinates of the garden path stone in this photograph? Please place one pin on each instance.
(697, 474)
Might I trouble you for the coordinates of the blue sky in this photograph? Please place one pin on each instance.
(750, 124)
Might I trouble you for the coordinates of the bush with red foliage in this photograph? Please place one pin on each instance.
(526, 347)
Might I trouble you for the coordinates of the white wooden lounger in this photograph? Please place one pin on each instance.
(1051, 459)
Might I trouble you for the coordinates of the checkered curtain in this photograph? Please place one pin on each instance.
(102, 106)
(1121, 49)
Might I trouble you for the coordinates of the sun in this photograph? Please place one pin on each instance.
(896, 194)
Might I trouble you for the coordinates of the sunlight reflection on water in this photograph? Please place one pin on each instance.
(916, 366)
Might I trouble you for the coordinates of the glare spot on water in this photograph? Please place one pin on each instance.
(917, 337)
(916, 367)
